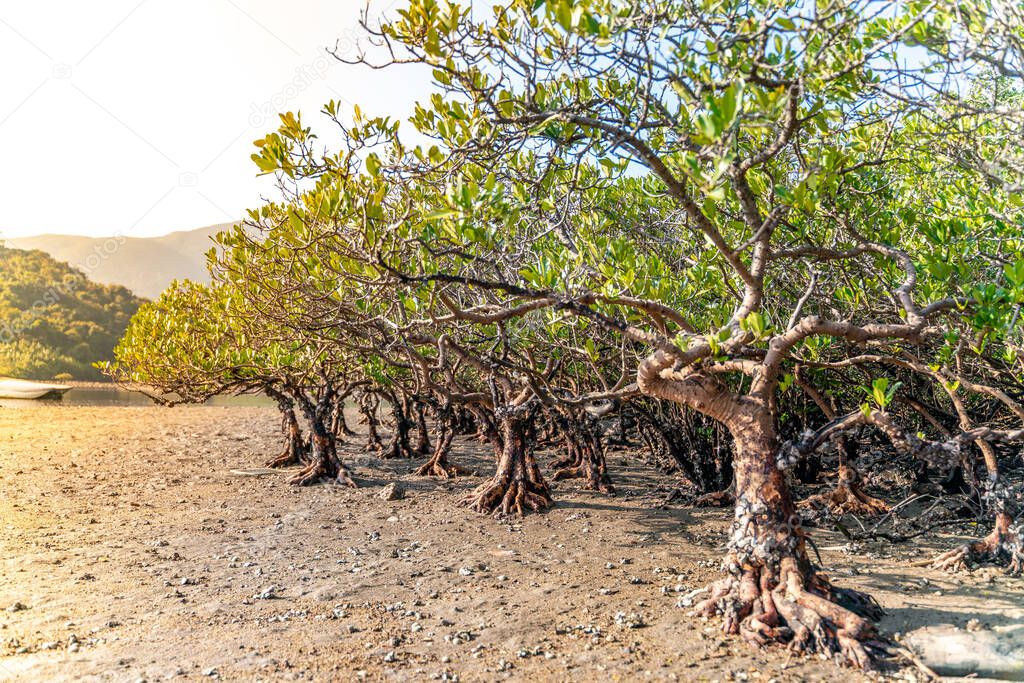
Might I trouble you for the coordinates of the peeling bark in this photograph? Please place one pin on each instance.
(773, 593)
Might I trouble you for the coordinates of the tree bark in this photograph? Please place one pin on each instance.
(438, 464)
(339, 427)
(692, 443)
(848, 497)
(398, 447)
(294, 448)
(368, 409)
(324, 463)
(772, 593)
(1005, 544)
(586, 458)
(517, 485)
(422, 444)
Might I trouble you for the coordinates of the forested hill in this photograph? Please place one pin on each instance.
(54, 320)
(145, 265)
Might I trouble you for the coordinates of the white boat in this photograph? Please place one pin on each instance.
(20, 388)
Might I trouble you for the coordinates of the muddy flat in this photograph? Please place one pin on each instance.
(150, 544)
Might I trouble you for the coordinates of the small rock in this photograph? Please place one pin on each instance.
(392, 491)
(631, 620)
(390, 657)
(973, 625)
(17, 607)
(268, 593)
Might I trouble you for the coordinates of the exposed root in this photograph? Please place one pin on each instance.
(798, 609)
(847, 497)
(715, 499)
(517, 485)
(438, 466)
(592, 481)
(315, 472)
(295, 451)
(585, 458)
(504, 497)
(286, 459)
(324, 466)
(1002, 546)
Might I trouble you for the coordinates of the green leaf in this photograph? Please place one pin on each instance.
(373, 165)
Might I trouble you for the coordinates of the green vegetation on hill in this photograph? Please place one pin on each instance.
(145, 265)
(54, 320)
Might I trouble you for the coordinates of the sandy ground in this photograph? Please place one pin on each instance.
(130, 550)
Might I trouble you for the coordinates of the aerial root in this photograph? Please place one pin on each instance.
(508, 498)
(294, 453)
(803, 614)
(998, 547)
(715, 499)
(847, 497)
(286, 459)
(592, 481)
(442, 469)
(316, 471)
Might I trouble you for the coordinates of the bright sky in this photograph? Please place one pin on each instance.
(137, 117)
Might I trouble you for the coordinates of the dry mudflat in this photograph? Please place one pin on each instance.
(146, 544)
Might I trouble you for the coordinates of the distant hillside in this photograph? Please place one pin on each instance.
(54, 320)
(145, 265)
